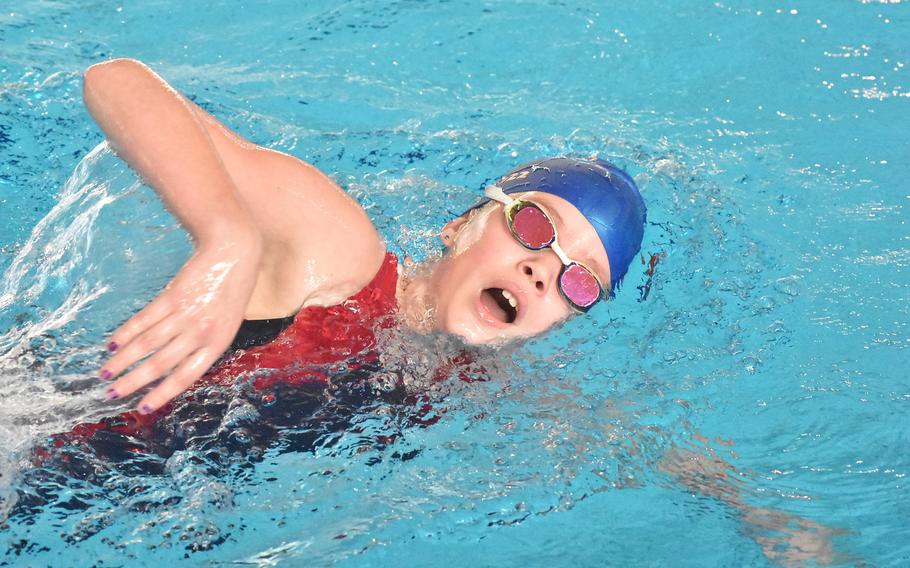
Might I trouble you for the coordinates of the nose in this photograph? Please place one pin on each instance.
(540, 273)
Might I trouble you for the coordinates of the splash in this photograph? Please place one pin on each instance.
(104, 246)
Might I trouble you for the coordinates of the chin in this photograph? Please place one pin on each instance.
(478, 334)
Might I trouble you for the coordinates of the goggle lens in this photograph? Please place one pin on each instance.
(579, 286)
(532, 226)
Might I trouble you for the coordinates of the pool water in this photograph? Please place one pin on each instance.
(742, 401)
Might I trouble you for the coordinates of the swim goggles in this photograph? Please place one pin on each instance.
(533, 228)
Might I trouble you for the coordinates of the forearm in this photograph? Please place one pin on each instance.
(154, 129)
(784, 537)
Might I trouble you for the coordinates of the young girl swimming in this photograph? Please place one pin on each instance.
(277, 243)
(289, 272)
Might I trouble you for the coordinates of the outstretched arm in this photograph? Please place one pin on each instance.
(192, 321)
(785, 538)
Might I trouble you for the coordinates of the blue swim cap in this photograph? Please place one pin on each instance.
(603, 193)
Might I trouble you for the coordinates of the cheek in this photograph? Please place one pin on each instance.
(453, 289)
(552, 312)
(483, 255)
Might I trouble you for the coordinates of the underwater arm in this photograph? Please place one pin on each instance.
(192, 321)
(784, 538)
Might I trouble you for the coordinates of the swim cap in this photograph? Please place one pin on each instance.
(603, 193)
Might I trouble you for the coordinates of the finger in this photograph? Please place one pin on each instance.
(153, 368)
(148, 316)
(181, 379)
(144, 344)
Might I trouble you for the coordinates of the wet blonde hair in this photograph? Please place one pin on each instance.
(472, 229)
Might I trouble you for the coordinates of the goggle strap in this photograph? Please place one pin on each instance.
(496, 193)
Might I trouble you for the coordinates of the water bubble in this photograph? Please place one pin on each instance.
(788, 285)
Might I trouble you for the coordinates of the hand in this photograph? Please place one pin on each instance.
(187, 327)
(794, 541)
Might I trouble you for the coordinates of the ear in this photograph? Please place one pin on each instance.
(450, 231)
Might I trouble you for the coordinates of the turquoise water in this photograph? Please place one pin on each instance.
(769, 142)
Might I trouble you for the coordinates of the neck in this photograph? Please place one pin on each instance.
(416, 305)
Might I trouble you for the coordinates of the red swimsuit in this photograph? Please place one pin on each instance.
(321, 336)
(318, 339)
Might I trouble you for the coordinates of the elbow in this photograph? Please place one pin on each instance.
(105, 72)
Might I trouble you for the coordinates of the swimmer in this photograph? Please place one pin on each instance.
(276, 241)
(281, 252)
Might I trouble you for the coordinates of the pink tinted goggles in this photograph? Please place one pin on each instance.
(533, 228)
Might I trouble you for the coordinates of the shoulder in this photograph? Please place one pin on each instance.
(320, 245)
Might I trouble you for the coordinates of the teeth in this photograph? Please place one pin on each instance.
(508, 296)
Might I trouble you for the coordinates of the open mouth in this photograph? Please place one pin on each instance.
(501, 304)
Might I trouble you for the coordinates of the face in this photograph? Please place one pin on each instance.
(486, 270)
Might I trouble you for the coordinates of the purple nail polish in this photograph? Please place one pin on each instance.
(105, 375)
(112, 346)
(112, 394)
(146, 409)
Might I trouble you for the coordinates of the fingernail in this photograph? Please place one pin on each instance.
(105, 375)
(112, 394)
(146, 409)
(112, 346)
